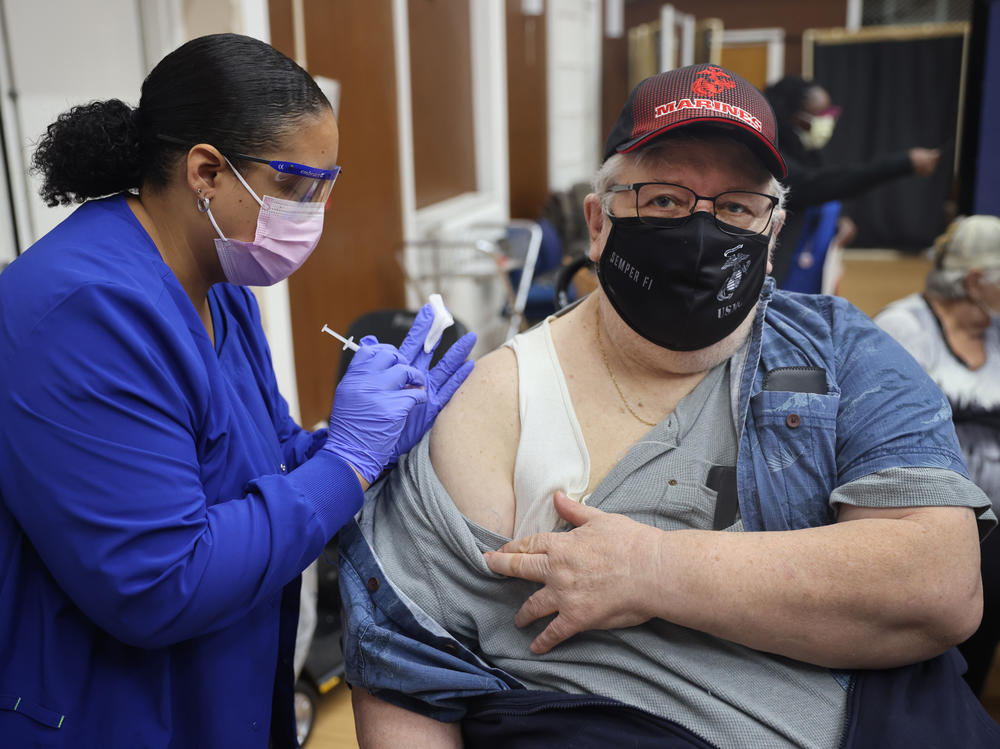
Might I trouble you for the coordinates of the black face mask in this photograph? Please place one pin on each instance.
(682, 283)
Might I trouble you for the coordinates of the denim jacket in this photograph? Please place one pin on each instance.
(854, 403)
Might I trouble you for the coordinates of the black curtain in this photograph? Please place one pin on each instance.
(895, 95)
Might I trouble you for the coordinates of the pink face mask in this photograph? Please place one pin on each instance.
(287, 233)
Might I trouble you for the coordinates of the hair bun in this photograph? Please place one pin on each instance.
(90, 151)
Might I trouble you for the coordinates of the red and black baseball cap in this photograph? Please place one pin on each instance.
(705, 95)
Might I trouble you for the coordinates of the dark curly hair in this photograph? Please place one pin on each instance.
(234, 92)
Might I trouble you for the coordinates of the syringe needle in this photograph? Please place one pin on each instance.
(348, 342)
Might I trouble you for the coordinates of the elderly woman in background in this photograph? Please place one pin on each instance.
(951, 329)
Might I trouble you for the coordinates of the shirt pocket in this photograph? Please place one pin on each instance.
(798, 441)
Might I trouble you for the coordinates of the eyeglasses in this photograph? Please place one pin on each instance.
(738, 212)
(297, 182)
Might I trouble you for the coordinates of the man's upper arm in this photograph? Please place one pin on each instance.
(948, 538)
(382, 724)
(474, 443)
(961, 520)
(947, 514)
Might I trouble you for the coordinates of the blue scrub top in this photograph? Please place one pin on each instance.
(157, 503)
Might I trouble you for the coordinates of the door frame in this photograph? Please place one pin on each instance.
(677, 38)
(15, 212)
(490, 201)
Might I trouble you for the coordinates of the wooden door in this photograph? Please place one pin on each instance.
(444, 158)
(747, 60)
(354, 269)
(527, 105)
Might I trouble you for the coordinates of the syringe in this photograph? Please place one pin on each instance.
(348, 342)
(442, 320)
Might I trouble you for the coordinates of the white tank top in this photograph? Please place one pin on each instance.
(552, 453)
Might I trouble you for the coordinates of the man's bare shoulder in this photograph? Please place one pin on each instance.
(474, 442)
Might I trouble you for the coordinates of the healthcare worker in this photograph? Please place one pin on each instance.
(806, 117)
(157, 502)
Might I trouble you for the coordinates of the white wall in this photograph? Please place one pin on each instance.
(574, 90)
(62, 53)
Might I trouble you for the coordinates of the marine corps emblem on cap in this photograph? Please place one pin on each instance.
(703, 95)
(711, 81)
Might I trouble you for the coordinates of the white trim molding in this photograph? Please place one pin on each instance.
(15, 209)
(614, 19)
(489, 86)
(668, 38)
(250, 17)
(688, 26)
(490, 200)
(404, 109)
(573, 65)
(678, 41)
(854, 14)
(163, 29)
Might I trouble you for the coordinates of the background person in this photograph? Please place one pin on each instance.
(772, 517)
(157, 502)
(806, 117)
(951, 329)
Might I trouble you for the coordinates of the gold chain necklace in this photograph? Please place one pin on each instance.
(607, 366)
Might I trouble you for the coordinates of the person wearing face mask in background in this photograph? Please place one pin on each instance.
(742, 517)
(157, 502)
(952, 330)
(806, 118)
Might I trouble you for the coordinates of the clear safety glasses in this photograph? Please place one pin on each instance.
(292, 181)
(298, 182)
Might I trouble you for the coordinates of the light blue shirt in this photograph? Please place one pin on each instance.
(878, 412)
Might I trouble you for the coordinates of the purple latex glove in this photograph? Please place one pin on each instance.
(442, 381)
(371, 405)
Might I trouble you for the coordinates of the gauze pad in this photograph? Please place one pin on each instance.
(442, 321)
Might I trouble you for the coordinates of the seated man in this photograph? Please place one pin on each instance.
(770, 517)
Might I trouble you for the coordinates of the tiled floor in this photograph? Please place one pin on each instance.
(335, 721)
(873, 278)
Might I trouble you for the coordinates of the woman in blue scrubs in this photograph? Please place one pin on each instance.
(157, 502)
